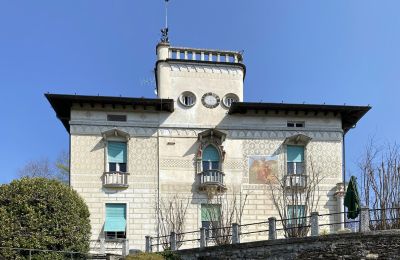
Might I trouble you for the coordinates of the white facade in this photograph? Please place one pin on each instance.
(163, 147)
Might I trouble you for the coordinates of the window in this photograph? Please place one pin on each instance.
(115, 224)
(210, 218)
(210, 158)
(229, 99)
(187, 99)
(116, 155)
(295, 215)
(295, 124)
(295, 159)
(117, 118)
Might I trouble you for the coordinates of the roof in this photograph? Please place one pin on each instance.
(350, 114)
(62, 104)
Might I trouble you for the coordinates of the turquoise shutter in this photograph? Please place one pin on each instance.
(210, 212)
(116, 152)
(295, 153)
(115, 218)
(210, 153)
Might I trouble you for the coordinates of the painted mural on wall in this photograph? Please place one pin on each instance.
(262, 168)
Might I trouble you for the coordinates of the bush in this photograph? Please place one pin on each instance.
(45, 214)
(145, 256)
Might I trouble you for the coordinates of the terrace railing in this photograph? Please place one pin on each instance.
(284, 228)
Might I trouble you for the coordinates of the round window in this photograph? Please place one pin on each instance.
(187, 99)
(229, 99)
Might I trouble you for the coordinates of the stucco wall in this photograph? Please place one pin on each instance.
(177, 149)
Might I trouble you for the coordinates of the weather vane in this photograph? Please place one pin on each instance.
(164, 31)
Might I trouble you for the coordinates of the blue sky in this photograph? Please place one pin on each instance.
(295, 51)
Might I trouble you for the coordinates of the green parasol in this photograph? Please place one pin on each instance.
(352, 199)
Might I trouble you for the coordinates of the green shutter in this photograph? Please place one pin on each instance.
(210, 212)
(295, 153)
(295, 211)
(116, 152)
(115, 218)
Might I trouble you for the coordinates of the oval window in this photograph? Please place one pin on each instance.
(229, 99)
(187, 99)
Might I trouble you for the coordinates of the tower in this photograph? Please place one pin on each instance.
(203, 82)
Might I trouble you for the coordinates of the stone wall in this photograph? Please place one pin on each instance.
(371, 245)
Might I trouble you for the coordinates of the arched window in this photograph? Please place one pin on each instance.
(211, 158)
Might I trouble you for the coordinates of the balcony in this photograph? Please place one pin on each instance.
(115, 179)
(212, 180)
(295, 180)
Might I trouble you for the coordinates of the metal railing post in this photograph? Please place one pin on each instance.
(202, 237)
(235, 233)
(314, 224)
(271, 228)
(148, 244)
(30, 254)
(173, 241)
(364, 220)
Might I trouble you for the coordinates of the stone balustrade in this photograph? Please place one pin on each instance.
(182, 53)
(115, 179)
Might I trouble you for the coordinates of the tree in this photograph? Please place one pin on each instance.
(295, 197)
(229, 210)
(58, 170)
(380, 180)
(172, 218)
(42, 214)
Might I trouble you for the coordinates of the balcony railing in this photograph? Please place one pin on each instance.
(295, 168)
(212, 179)
(115, 179)
(295, 180)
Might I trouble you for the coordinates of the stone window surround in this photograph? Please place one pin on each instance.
(115, 135)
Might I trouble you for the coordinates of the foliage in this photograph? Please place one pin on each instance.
(169, 255)
(380, 175)
(58, 170)
(145, 256)
(45, 214)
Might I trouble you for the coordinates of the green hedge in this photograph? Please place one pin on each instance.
(42, 214)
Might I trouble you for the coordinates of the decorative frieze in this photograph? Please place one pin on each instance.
(277, 133)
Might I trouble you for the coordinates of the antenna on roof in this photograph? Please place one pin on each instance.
(164, 31)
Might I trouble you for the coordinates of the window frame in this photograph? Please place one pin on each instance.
(210, 163)
(299, 220)
(303, 162)
(296, 124)
(210, 224)
(115, 135)
(187, 94)
(118, 165)
(107, 234)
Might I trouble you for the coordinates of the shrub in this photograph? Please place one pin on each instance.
(145, 256)
(44, 214)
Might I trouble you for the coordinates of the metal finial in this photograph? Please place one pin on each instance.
(164, 31)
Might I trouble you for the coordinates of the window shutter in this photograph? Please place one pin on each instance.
(210, 212)
(210, 153)
(115, 218)
(116, 152)
(295, 153)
